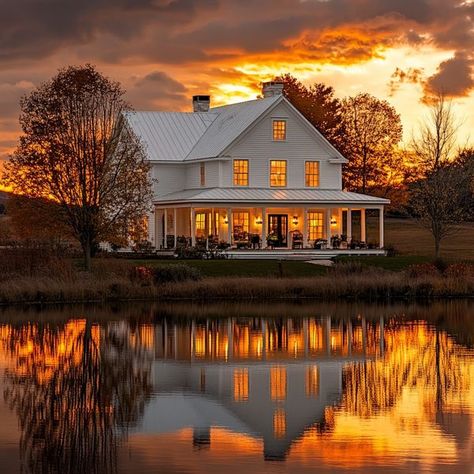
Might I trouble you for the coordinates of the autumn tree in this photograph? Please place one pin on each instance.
(438, 198)
(372, 130)
(319, 106)
(77, 150)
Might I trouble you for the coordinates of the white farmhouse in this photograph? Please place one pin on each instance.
(254, 175)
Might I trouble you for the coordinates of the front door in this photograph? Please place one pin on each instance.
(278, 230)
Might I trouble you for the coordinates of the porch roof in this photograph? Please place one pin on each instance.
(270, 196)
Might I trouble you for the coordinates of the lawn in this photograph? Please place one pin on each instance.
(246, 268)
(410, 239)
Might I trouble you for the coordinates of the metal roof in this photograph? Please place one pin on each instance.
(261, 195)
(179, 136)
(169, 136)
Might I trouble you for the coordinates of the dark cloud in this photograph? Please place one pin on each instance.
(408, 76)
(157, 90)
(454, 77)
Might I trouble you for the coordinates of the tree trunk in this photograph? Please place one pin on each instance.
(437, 246)
(86, 249)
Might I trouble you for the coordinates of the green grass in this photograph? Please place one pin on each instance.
(245, 268)
(396, 264)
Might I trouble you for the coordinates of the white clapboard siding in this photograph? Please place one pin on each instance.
(168, 178)
(193, 174)
(301, 145)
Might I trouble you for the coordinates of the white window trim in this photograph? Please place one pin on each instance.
(280, 119)
(319, 177)
(270, 174)
(202, 174)
(248, 173)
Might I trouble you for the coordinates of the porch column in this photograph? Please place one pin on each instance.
(264, 227)
(213, 223)
(193, 227)
(151, 227)
(381, 227)
(175, 222)
(349, 225)
(328, 227)
(305, 227)
(363, 227)
(166, 228)
(229, 226)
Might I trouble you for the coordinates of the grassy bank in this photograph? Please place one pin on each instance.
(119, 280)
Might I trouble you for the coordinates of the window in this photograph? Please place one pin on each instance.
(279, 130)
(240, 222)
(312, 381)
(241, 172)
(203, 174)
(278, 383)
(312, 174)
(278, 173)
(315, 225)
(241, 385)
(201, 224)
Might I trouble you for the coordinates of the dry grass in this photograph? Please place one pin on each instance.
(411, 239)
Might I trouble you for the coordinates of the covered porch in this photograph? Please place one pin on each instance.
(243, 229)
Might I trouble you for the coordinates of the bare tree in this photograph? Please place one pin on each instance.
(77, 150)
(437, 199)
(435, 142)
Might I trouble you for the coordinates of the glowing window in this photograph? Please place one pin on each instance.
(241, 385)
(312, 382)
(201, 224)
(279, 130)
(241, 221)
(315, 225)
(278, 383)
(312, 174)
(279, 423)
(241, 172)
(278, 173)
(203, 174)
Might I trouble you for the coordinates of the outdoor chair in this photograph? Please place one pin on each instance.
(320, 244)
(296, 239)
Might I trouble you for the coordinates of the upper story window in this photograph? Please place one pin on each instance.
(278, 173)
(241, 172)
(311, 172)
(279, 130)
(203, 174)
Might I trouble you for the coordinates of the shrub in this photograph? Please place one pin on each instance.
(440, 264)
(190, 253)
(175, 273)
(422, 270)
(391, 250)
(141, 275)
(460, 270)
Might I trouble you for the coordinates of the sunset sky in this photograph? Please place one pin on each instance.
(163, 51)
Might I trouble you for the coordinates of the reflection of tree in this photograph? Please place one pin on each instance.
(76, 390)
(416, 356)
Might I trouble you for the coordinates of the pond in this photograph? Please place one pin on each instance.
(262, 388)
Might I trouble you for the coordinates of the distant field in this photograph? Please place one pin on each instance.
(410, 239)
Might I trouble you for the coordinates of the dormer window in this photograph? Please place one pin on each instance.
(279, 130)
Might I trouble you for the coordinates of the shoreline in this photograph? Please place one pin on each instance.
(365, 288)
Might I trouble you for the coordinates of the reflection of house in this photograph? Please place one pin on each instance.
(271, 379)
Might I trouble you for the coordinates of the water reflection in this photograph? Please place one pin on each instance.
(363, 388)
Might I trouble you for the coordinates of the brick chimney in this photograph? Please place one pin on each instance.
(272, 88)
(201, 103)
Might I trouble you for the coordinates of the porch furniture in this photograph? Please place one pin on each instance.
(273, 240)
(320, 244)
(296, 239)
(255, 241)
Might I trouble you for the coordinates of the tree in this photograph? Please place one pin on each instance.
(438, 198)
(77, 150)
(319, 106)
(436, 201)
(435, 143)
(372, 130)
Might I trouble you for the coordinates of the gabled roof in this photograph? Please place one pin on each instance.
(261, 195)
(181, 136)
